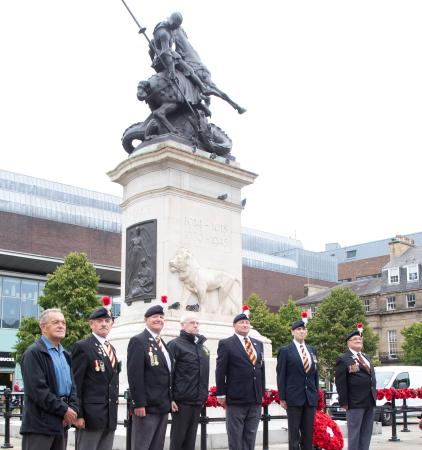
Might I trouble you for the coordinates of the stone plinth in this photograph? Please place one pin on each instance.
(196, 201)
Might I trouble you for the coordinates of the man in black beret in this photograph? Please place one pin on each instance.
(96, 371)
(297, 380)
(240, 379)
(357, 394)
(149, 370)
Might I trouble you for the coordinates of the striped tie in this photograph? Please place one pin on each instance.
(249, 351)
(363, 363)
(305, 359)
(110, 354)
(160, 345)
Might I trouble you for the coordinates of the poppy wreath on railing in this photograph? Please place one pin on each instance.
(391, 393)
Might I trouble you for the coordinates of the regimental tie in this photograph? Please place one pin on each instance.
(363, 363)
(110, 354)
(249, 351)
(306, 365)
(160, 345)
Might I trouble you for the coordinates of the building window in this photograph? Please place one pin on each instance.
(350, 254)
(392, 344)
(391, 303)
(393, 276)
(412, 273)
(313, 311)
(366, 304)
(411, 300)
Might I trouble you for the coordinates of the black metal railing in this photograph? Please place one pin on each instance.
(11, 406)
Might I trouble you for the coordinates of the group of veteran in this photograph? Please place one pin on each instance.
(61, 390)
(81, 389)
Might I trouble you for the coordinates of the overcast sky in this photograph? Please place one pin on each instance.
(333, 91)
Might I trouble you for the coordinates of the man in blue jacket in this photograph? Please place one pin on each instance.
(51, 405)
(297, 380)
(240, 379)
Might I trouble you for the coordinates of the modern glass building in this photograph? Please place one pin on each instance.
(281, 254)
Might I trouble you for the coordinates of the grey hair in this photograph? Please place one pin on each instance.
(44, 315)
(185, 317)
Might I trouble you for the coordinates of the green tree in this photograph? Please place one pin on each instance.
(337, 315)
(274, 326)
(287, 314)
(72, 287)
(412, 344)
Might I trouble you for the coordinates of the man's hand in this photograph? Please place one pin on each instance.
(70, 416)
(345, 407)
(174, 407)
(283, 404)
(80, 423)
(140, 412)
(222, 402)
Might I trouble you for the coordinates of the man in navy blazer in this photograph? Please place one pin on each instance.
(240, 379)
(297, 380)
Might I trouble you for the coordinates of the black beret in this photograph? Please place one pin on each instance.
(241, 316)
(298, 324)
(350, 335)
(156, 309)
(100, 313)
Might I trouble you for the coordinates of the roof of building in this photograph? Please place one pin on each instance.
(411, 256)
(367, 249)
(362, 287)
(35, 197)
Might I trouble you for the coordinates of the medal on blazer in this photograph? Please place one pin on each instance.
(102, 366)
(353, 368)
(153, 357)
(97, 365)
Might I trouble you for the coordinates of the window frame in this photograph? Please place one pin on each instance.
(390, 275)
(413, 280)
(414, 300)
(391, 305)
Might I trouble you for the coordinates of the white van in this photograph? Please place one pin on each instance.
(398, 377)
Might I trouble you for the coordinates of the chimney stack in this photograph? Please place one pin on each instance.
(399, 245)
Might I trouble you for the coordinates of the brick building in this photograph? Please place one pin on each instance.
(392, 301)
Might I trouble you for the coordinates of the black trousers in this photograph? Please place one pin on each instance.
(300, 421)
(184, 425)
(32, 441)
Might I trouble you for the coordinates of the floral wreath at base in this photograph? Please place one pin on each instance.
(327, 434)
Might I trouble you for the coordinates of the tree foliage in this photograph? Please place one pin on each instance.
(412, 345)
(72, 288)
(338, 315)
(275, 326)
(287, 314)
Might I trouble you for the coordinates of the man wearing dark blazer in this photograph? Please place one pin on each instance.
(357, 393)
(96, 373)
(149, 371)
(240, 379)
(297, 380)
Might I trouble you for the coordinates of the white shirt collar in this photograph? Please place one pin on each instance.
(242, 338)
(154, 335)
(99, 338)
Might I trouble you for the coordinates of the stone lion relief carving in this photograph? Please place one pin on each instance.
(217, 291)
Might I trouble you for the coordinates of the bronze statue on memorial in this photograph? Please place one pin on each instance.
(178, 95)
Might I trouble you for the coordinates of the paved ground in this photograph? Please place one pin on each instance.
(408, 441)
